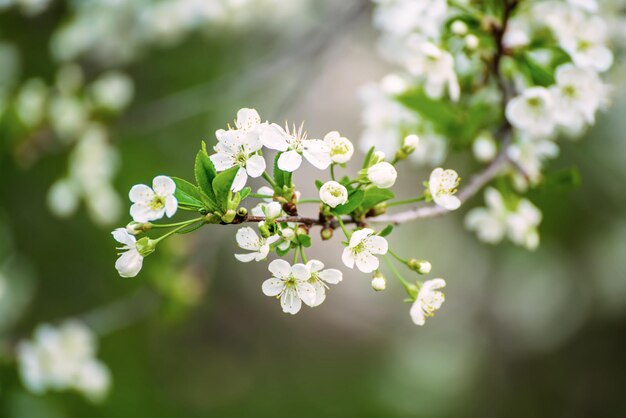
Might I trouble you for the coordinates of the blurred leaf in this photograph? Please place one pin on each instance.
(567, 178)
(368, 157)
(386, 231)
(440, 112)
(538, 74)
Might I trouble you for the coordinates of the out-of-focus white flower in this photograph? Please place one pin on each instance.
(63, 358)
(273, 210)
(63, 197)
(112, 91)
(382, 175)
(458, 27)
(320, 279)
(130, 261)
(31, 101)
(586, 44)
(428, 300)
(494, 222)
(517, 34)
(434, 66)
(590, 6)
(484, 148)
(247, 239)
(362, 249)
(431, 149)
(341, 149)
(237, 148)
(471, 42)
(33, 7)
(532, 112)
(489, 223)
(333, 194)
(530, 154)
(401, 17)
(291, 284)
(443, 185)
(384, 119)
(577, 95)
(68, 116)
(410, 142)
(523, 223)
(151, 204)
(69, 79)
(293, 145)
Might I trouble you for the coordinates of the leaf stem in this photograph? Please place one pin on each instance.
(407, 285)
(269, 179)
(188, 221)
(406, 201)
(343, 227)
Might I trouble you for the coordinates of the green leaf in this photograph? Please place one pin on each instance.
(536, 72)
(205, 172)
(440, 112)
(368, 157)
(568, 178)
(304, 240)
(187, 194)
(354, 201)
(386, 231)
(281, 253)
(375, 196)
(279, 175)
(222, 184)
(319, 184)
(245, 192)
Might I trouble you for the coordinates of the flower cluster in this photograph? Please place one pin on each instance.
(63, 358)
(503, 80)
(222, 185)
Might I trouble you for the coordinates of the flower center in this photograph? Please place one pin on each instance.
(449, 183)
(157, 203)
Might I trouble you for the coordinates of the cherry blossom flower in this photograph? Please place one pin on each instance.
(130, 261)
(532, 112)
(341, 149)
(290, 283)
(443, 185)
(239, 148)
(333, 194)
(320, 279)
(382, 175)
(293, 145)
(247, 239)
(428, 300)
(151, 204)
(362, 249)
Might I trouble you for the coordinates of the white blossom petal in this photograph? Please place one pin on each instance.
(289, 161)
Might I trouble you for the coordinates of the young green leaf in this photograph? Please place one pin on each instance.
(222, 184)
(368, 157)
(187, 194)
(375, 196)
(386, 231)
(354, 201)
(205, 172)
(245, 192)
(279, 175)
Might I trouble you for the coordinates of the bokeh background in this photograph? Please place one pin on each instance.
(521, 334)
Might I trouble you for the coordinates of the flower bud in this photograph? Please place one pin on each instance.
(326, 233)
(264, 229)
(146, 246)
(419, 266)
(136, 228)
(273, 210)
(377, 157)
(379, 282)
(382, 175)
(302, 230)
(409, 143)
(229, 216)
(471, 41)
(484, 148)
(333, 194)
(287, 233)
(459, 27)
(242, 212)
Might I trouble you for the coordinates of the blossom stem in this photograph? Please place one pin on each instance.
(406, 201)
(397, 257)
(304, 260)
(173, 231)
(295, 255)
(176, 224)
(260, 196)
(309, 201)
(269, 179)
(396, 273)
(343, 227)
(332, 172)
